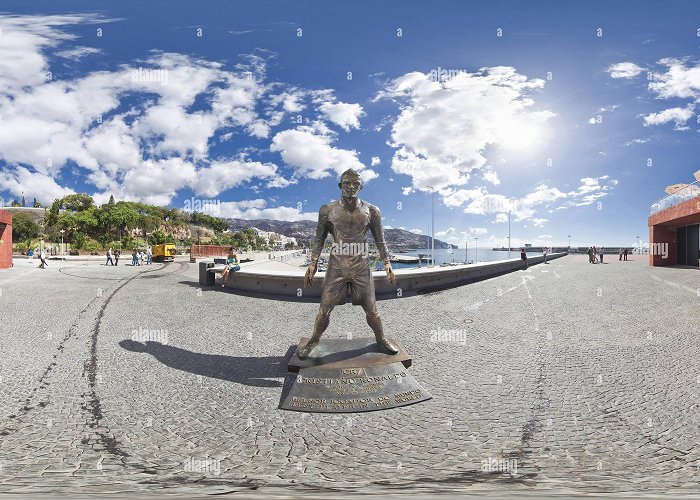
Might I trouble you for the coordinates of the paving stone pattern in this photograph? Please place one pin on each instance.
(564, 377)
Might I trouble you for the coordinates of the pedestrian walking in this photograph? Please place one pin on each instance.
(142, 257)
(590, 255)
(523, 256)
(117, 254)
(42, 258)
(544, 251)
(134, 258)
(109, 258)
(625, 254)
(602, 251)
(620, 254)
(149, 256)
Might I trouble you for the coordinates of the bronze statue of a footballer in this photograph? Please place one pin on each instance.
(347, 220)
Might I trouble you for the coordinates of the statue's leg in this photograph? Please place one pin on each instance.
(323, 318)
(363, 294)
(334, 287)
(375, 323)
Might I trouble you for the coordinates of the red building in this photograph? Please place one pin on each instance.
(5, 239)
(674, 226)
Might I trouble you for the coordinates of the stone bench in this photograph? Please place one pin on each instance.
(208, 271)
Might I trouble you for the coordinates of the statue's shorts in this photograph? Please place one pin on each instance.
(339, 278)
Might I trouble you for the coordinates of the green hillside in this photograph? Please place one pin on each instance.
(89, 228)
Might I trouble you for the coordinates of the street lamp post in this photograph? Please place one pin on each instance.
(432, 228)
(466, 251)
(569, 243)
(639, 245)
(62, 231)
(476, 250)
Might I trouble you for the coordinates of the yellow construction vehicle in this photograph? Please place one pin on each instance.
(164, 253)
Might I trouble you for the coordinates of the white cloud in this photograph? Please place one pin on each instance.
(375, 161)
(221, 176)
(78, 52)
(21, 180)
(677, 115)
(590, 190)
(479, 201)
(156, 144)
(492, 177)
(636, 141)
(624, 70)
(444, 129)
(257, 209)
(679, 80)
(312, 155)
(346, 116)
(416, 231)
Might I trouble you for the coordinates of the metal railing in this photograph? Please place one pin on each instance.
(684, 194)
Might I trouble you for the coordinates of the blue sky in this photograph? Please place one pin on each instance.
(262, 111)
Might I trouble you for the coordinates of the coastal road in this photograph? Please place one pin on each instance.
(579, 377)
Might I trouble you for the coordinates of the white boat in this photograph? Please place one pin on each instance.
(404, 259)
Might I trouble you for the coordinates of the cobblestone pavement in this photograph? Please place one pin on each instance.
(114, 379)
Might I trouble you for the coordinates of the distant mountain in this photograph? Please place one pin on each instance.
(304, 231)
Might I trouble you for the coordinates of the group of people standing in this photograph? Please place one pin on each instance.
(595, 255)
(113, 257)
(139, 257)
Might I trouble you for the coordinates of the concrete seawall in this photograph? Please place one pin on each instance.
(408, 281)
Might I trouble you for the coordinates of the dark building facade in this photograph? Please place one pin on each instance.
(674, 229)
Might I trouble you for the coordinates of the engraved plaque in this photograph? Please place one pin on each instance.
(353, 389)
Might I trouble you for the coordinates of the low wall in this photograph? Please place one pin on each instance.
(407, 280)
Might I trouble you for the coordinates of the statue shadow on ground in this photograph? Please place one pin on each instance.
(252, 371)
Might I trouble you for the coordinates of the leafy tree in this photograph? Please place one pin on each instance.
(85, 221)
(77, 202)
(119, 216)
(111, 200)
(78, 240)
(24, 228)
(52, 216)
(158, 237)
(36, 204)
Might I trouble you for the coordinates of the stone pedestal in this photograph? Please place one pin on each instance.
(351, 375)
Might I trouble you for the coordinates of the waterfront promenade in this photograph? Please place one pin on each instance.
(586, 377)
